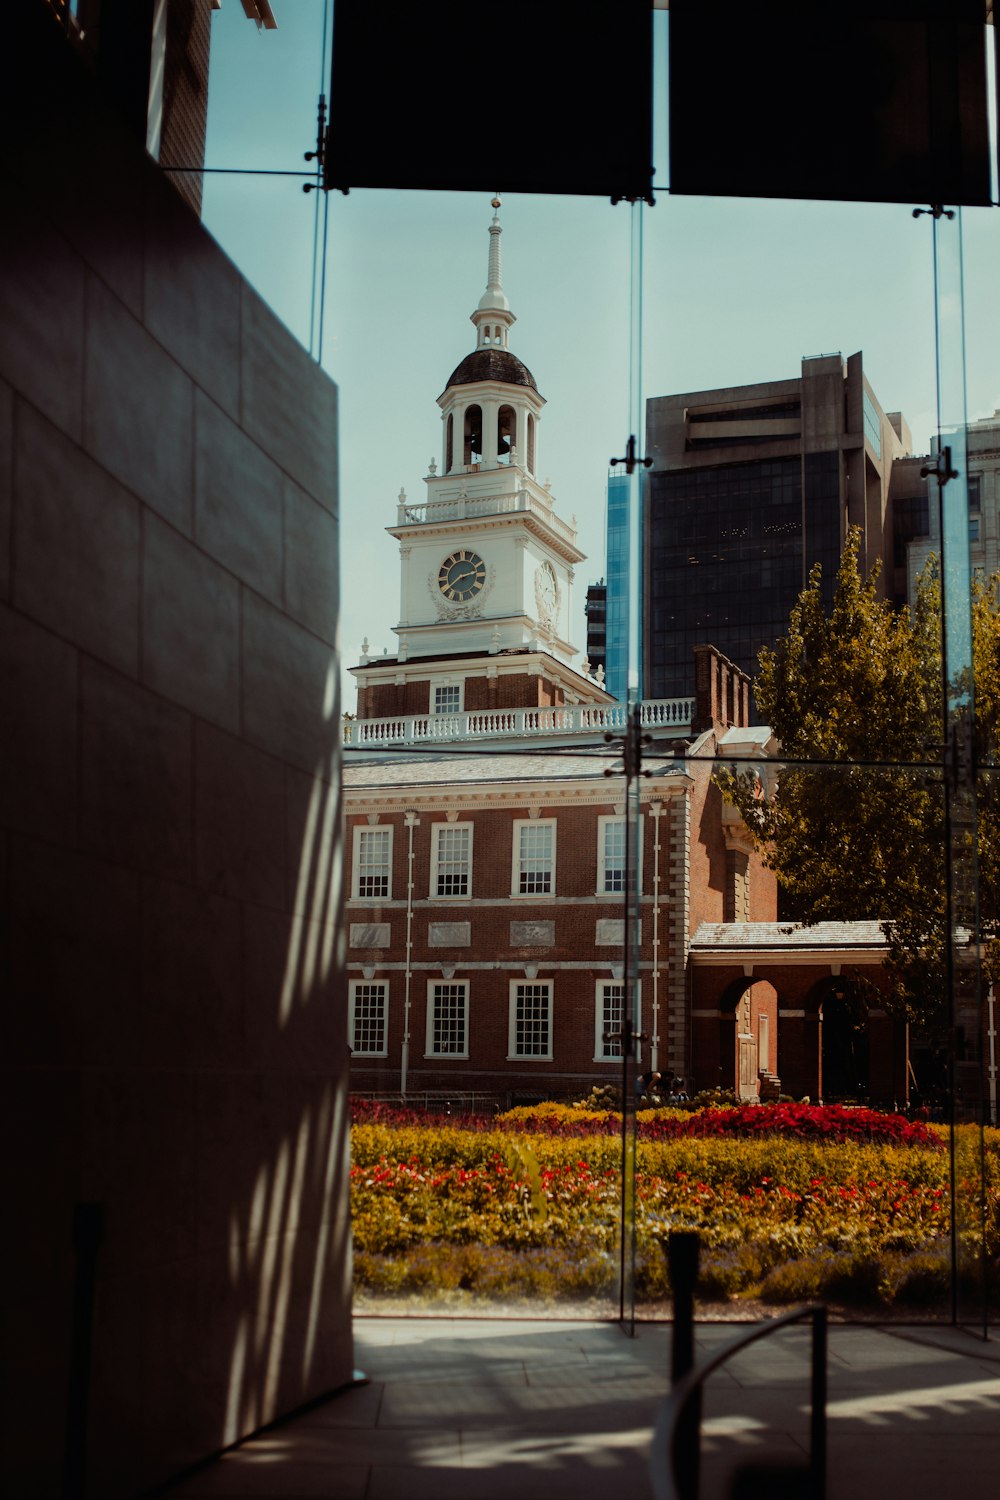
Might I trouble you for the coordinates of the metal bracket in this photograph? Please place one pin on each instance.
(635, 198)
(936, 211)
(940, 467)
(319, 155)
(628, 1036)
(630, 460)
(632, 742)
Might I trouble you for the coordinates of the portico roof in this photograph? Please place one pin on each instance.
(724, 943)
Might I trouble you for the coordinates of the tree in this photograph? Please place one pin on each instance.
(853, 824)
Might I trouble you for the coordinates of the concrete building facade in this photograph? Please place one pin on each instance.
(174, 1067)
(749, 487)
(983, 463)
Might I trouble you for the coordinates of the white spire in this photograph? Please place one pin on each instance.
(493, 299)
(493, 316)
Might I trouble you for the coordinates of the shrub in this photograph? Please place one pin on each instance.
(441, 1207)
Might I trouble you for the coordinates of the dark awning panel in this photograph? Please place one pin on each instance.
(536, 97)
(872, 100)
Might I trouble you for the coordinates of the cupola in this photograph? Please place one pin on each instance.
(485, 425)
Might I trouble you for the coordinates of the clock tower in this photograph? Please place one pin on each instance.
(486, 563)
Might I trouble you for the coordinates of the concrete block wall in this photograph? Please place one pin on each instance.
(170, 958)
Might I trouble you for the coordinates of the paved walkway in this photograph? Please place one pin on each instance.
(490, 1409)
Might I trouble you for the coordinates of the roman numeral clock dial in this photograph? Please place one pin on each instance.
(461, 576)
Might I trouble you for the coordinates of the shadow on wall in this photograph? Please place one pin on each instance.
(171, 964)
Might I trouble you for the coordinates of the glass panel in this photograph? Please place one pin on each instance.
(474, 983)
(767, 460)
(762, 459)
(962, 963)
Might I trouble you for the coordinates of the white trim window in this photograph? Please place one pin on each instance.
(530, 1029)
(609, 1011)
(534, 870)
(372, 873)
(368, 1017)
(611, 855)
(447, 1018)
(451, 861)
(446, 698)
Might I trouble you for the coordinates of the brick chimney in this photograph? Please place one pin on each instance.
(722, 692)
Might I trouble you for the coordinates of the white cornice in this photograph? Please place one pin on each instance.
(499, 390)
(397, 797)
(801, 956)
(388, 669)
(516, 520)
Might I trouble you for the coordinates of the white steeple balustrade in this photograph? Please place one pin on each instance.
(492, 497)
(669, 715)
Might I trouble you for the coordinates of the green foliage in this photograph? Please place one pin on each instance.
(859, 686)
(445, 1211)
(523, 1162)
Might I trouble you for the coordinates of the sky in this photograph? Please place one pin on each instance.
(732, 291)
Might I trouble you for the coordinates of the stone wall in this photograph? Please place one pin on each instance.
(174, 1048)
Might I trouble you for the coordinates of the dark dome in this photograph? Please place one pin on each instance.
(492, 364)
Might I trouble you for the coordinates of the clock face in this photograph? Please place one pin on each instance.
(546, 591)
(462, 576)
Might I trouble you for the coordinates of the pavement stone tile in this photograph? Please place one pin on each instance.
(536, 1411)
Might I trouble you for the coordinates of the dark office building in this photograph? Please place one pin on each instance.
(596, 610)
(749, 488)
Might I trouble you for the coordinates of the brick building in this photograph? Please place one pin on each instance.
(486, 918)
(485, 869)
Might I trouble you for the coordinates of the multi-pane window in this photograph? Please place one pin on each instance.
(611, 875)
(448, 699)
(611, 854)
(531, 1020)
(534, 858)
(452, 859)
(975, 506)
(368, 1007)
(609, 1014)
(448, 1019)
(373, 864)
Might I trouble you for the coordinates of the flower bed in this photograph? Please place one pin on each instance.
(811, 1204)
(829, 1122)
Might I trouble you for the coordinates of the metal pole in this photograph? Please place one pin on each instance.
(991, 1031)
(412, 821)
(88, 1224)
(682, 1259)
(817, 1429)
(656, 808)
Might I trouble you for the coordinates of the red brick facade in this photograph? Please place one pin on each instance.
(388, 700)
(562, 946)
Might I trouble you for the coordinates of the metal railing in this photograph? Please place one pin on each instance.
(676, 1448)
(503, 723)
(515, 496)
